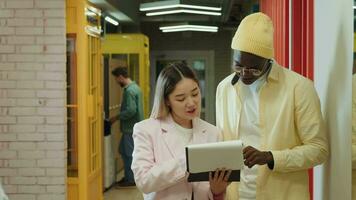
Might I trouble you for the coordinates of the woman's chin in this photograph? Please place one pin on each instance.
(191, 115)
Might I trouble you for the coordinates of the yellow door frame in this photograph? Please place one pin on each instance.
(133, 43)
(88, 184)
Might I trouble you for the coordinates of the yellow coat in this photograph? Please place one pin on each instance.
(292, 129)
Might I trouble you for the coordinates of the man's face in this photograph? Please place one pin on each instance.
(249, 67)
(120, 80)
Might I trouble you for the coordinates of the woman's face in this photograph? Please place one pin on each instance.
(184, 101)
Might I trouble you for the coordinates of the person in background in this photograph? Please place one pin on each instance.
(275, 112)
(159, 162)
(131, 112)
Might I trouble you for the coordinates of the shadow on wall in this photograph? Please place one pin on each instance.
(337, 78)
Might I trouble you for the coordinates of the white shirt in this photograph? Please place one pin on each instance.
(249, 133)
(184, 133)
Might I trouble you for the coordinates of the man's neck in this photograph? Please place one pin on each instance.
(128, 82)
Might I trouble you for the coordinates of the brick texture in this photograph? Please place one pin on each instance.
(32, 99)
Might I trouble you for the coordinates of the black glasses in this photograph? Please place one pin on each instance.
(242, 70)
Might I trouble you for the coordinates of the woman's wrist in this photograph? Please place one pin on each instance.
(219, 196)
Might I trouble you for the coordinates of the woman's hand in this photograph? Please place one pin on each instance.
(218, 182)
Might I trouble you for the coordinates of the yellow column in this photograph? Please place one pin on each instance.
(82, 75)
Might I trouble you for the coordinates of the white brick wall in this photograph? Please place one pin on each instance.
(32, 99)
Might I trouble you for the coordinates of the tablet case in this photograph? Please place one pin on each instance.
(215, 152)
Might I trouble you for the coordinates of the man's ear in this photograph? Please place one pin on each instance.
(120, 77)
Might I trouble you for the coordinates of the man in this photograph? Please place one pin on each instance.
(275, 112)
(131, 112)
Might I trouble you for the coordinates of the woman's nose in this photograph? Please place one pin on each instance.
(190, 101)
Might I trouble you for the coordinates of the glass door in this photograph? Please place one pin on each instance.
(72, 109)
(95, 117)
(201, 62)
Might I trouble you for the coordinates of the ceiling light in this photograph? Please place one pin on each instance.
(187, 26)
(167, 4)
(189, 29)
(111, 20)
(181, 6)
(354, 7)
(91, 11)
(183, 11)
(200, 7)
(93, 30)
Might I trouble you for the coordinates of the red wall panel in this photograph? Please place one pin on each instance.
(303, 38)
(278, 10)
(302, 46)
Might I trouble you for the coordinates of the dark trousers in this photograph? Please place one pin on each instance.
(125, 149)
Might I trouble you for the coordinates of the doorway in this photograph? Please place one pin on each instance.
(203, 64)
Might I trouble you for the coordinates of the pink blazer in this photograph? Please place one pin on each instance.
(159, 159)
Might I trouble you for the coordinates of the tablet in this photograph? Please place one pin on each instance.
(204, 158)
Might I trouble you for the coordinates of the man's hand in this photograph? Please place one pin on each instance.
(253, 156)
(218, 182)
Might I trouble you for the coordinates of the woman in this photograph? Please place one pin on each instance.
(159, 164)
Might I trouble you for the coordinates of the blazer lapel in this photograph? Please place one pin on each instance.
(172, 140)
(171, 137)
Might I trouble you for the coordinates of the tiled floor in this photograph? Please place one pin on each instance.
(131, 193)
(123, 194)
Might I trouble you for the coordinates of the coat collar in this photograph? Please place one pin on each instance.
(274, 72)
(167, 125)
(129, 85)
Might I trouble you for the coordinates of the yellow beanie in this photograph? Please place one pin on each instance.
(255, 35)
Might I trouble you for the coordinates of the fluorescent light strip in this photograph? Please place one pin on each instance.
(189, 29)
(181, 6)
(94, 10)
(200, 7)
(160, 7)
(354, 7)
(90, 13)
(188, 26)
(92, 29)
(183, 11)
(111, 20)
